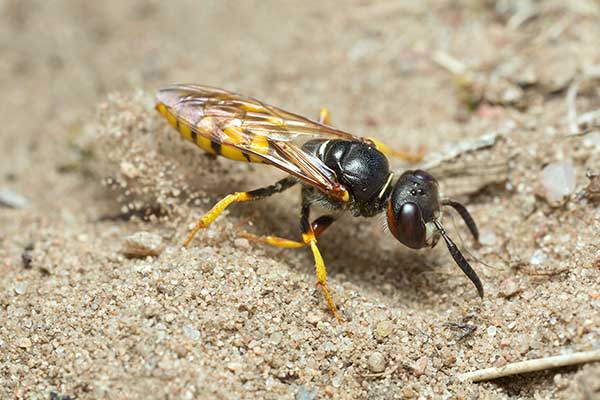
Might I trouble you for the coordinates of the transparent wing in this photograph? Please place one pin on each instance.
(259, 131)
(196, 102)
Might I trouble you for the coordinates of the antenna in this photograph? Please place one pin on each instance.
(460, 259)
(466, 216)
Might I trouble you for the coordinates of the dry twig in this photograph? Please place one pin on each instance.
(538, 364)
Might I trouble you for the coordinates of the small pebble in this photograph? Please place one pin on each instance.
(129, 170)
(191, 332)
(420, 366)
(376, 362)
(383, 329)
(511, 95)
(57, 396)
(408, 393)
(538, 258)
(329, 391)
(180, 350)
(558, 181)
(170, 317)
(487, 238)
(527, 205)
(20, 287)
(338, 379)
(276, 338)
(306, 393)
(142, 244)
(491, 331)
(12, 199)
(234, 366)
(509, 287)
(500, 362)
(24, 343)
(593, 187)
(241, 243)
(560, 381)
(313, 318)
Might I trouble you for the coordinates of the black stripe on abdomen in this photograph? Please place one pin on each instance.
(216, 147)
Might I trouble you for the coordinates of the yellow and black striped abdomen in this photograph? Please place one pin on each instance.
(230, 142)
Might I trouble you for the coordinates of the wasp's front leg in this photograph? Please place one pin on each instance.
(324, 116)
(412, 157)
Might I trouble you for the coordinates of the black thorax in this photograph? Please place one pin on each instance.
(361, 168)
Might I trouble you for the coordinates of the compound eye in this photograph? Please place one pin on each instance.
(409, 227)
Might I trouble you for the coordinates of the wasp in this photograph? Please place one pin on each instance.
(336, 170)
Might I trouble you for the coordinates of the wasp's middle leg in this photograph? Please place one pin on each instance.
(239, 197)
(310, 238)
(318, 226)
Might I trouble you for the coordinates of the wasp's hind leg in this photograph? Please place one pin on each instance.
(239, 197)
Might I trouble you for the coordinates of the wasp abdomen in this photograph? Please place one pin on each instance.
(226, 142)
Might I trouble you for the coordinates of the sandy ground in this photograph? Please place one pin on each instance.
(232, 319)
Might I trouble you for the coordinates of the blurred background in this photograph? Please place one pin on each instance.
(373, 63)
(410, 73)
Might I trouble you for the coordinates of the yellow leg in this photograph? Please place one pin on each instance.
(214, 212)
(309, 238)
(403, 155)
(274, 240)
(318, 226)
(239, 197)
(324, 116)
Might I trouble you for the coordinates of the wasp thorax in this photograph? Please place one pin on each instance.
(412, 209)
